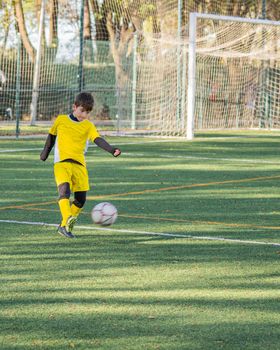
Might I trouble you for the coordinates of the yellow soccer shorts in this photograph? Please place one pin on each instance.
(75, 174)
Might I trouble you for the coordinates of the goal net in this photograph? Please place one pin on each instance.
(234, 73)
(223, 73)
(158, 95)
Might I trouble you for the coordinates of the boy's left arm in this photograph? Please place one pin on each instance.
(100, 142)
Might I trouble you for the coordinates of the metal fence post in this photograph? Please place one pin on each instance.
(81, 56)
(18, 81)
(134, 83)
(263, 9)
(179, 53)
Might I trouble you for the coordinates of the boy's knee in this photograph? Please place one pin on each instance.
(64, 191)
(80, 199)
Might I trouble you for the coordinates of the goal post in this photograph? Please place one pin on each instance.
(233, 73)
(191, 76)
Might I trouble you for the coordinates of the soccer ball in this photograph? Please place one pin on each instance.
(104, 214)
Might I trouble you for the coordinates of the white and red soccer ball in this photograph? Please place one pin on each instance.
(104, 214)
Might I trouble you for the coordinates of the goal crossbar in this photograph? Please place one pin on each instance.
(234, 19)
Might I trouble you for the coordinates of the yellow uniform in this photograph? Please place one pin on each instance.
(71, 138)
(71, 144)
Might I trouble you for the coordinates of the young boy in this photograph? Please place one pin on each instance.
(70, 134)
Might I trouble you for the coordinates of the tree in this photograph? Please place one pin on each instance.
(53, 34)
(88, 42)
(21, 28)
(20, 24)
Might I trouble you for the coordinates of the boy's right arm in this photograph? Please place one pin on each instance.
(100, 142)
(50, 141)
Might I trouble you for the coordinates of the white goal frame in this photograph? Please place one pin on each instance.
(192, 58)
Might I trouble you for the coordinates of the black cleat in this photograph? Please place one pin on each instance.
(70, 223)
(63, 232)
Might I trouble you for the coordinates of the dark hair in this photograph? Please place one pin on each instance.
(84, 99)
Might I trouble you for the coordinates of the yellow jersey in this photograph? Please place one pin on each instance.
(72, 138)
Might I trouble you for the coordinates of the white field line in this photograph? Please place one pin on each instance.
(254, 161)
(171, 235)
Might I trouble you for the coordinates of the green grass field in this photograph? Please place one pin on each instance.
(191, 263)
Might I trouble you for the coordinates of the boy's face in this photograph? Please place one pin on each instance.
(80, 113)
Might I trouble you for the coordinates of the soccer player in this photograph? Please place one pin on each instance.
(70, 135)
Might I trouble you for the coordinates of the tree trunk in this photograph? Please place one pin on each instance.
(88, 47)
(100, 20)
(52, 44)
(87, 25)
(101, 33)
(53, 39)
(119, 51)
(20, 24)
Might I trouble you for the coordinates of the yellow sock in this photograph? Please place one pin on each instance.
(64, 206)
(75, 211)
